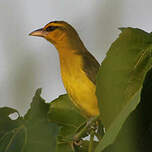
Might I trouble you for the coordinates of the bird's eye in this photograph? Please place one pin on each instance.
(51, 28)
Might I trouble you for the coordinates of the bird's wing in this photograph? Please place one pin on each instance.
(90, 66)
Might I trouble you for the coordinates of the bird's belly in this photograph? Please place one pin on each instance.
(82, 92)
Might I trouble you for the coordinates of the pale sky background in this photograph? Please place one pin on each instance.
(28, 63)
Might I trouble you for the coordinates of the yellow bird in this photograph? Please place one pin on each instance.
(78, 66)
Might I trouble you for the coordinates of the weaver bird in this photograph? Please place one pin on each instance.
(78, 67)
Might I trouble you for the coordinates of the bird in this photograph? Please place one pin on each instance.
(77, 65)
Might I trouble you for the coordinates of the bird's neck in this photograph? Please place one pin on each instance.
(70, 56)
(70, 46)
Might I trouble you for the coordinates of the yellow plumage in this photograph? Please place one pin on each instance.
(78, 66)
(79, 87)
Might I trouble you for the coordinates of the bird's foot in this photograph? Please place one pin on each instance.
(90, 125)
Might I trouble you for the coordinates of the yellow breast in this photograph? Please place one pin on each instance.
(79, 87)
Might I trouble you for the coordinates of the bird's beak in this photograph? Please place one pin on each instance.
(38, 32)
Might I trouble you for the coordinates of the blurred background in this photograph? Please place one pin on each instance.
(28, 63)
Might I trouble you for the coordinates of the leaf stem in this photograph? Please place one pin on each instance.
(91, 140)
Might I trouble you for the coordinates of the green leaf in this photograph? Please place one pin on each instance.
(41, 133)
(135, 134)
(13, 140)
(120, 80)
(12, 132)
(28, 134)
(65, 114)
(6, 124)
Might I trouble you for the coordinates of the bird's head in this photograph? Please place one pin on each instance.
(58, 33)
